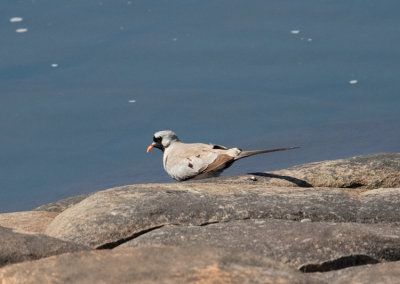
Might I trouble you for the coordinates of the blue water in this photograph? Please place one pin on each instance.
(234, 73)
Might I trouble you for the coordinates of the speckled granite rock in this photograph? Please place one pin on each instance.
(307, 246)
(27, 221)
(108, 217)
(16, 247)
(62, 204)
(282, 216)
(154, 265)
(364, 172)
(369, 171)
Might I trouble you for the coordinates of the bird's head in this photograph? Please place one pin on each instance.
(162, 139)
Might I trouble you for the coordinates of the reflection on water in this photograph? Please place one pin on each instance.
(85, 85)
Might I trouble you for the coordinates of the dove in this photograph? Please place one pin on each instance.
(185, 161)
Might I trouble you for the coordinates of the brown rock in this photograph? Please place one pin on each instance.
(27, 221)
(61, 205)
(107, 218)
(364, 172)
(369, 171)
(310, 246)
(16, 247)
(154, 265)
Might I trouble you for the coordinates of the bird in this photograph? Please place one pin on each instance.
(189, 161)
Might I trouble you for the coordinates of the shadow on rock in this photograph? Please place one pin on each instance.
(296, 181)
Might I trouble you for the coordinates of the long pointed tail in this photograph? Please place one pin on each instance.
(245, 154)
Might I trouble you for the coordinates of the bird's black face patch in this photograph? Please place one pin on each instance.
(157, 143)
(157, 139)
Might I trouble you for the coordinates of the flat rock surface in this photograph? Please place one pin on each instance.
(16, 247)
(109, 217)
(369, 171)
(388, 273)
(154, 265)
(308, 246)
(27, 221)
(364, 172)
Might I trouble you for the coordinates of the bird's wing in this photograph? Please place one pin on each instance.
(221, 162)
(184, 161)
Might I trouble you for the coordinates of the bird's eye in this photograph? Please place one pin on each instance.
(157, 139)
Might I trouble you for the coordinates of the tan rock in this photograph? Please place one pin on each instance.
(309, 246)
(154, 265)
(362, 172)
(17, 247)
(62, 204)
(27, 221)
(368, 171)
(107, 218)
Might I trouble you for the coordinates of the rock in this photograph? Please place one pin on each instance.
(368, 171)
(28, 221)
(16, 247)
(62, 204)
(108, 218)
(256, 228)
(388, 273)
(154, 265)
(309, 247)
(364, 172)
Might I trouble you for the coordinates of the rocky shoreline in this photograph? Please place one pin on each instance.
(325, 222)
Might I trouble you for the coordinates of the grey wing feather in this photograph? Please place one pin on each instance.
(189, 160)
(245, 154)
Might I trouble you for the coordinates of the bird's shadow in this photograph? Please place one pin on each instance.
(298, 182)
